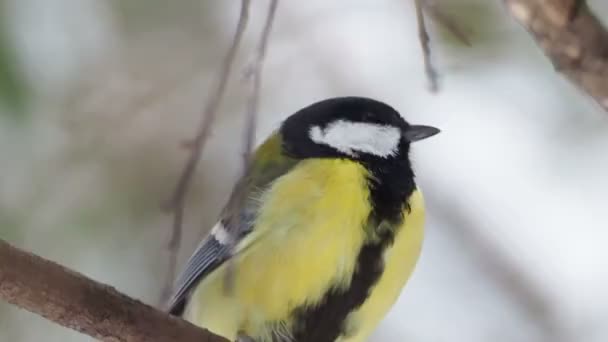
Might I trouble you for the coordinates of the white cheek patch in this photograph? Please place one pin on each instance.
(351, 137)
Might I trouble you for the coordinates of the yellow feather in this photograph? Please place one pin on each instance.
(306, 239)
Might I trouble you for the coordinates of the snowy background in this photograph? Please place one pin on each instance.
(98, 96)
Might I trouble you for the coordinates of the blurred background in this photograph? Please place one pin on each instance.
(97, 96)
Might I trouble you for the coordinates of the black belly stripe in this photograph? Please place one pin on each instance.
(325, 322)
(390, 188)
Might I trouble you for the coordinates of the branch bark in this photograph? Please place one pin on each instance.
(573, 39)
(77, 302)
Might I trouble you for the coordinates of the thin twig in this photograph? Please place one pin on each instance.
(434, 11)
(254, 72)
(254, 77)
(423, 36)
(74, 301)
(177, 201)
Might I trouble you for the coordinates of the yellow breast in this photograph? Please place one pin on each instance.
(306, 238)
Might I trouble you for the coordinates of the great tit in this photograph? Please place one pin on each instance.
(323, 230)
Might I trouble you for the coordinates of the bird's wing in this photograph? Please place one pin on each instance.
(236, 222)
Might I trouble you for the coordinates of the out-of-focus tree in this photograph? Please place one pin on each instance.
(13, 88)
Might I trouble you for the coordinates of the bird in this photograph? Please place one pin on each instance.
(320, 234)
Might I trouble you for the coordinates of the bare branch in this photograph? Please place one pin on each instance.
(435, 12)
(254, 77)
(254, 74)
(573, 39)
(77, 302)
(177, 202)
(423, 35)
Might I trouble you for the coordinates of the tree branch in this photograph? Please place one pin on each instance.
(434, 11)
(425, 7)
(76, 302)
(177, 202)
(253, 75)
(573, 39)
(423, 36)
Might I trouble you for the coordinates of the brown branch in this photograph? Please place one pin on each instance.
(177, 202)
(423, 36)
(77, 302)
(573, 39)
(253, 74)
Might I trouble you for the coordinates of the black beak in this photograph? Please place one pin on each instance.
(419, 132)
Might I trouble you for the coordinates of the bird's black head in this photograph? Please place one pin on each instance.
(356, 128)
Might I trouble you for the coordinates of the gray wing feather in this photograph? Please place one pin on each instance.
(237, 219)
(208, 256)
(211, 253)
